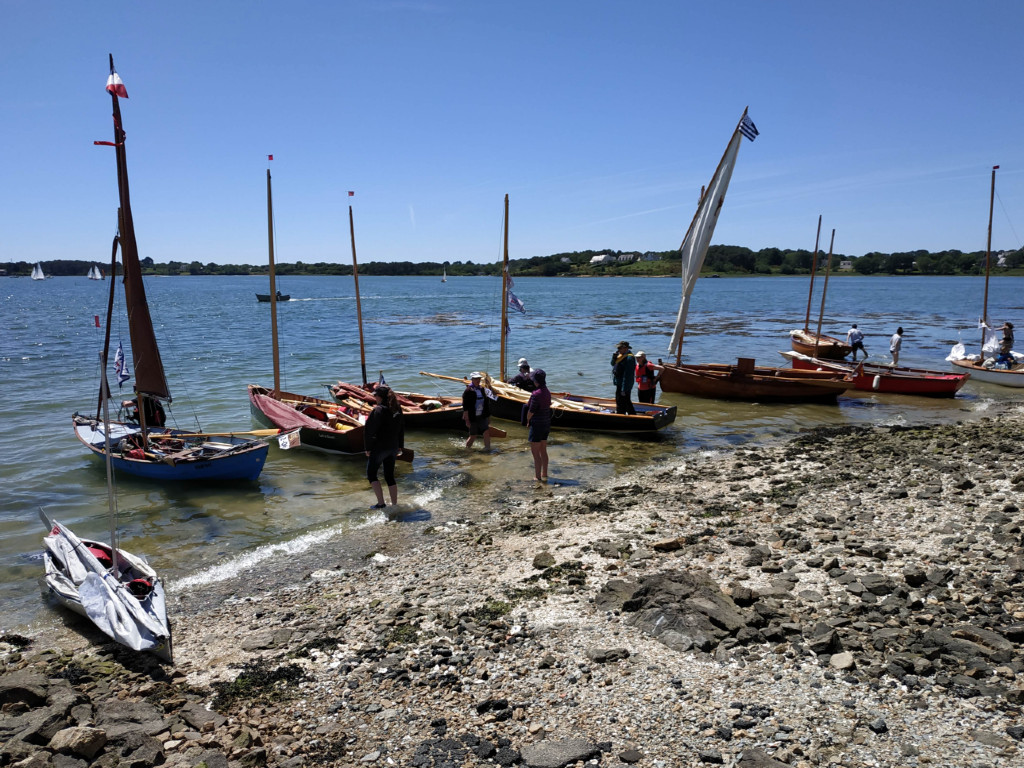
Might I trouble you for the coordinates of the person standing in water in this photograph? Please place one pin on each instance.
(538, 419)
(384, 441)
(894, 345)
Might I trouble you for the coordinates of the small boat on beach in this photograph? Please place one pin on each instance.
(322, 425)
(814, 343)
(144, 446)
(751, 383)
(896, 380)
(744, 380)
(418, 411)
(981, 367)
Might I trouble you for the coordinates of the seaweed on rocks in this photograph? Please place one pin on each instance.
(258, 682)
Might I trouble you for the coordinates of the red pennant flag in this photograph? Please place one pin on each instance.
(97, 319)
(995, 167)
(351, 193)
(270, 157)
(114, 83)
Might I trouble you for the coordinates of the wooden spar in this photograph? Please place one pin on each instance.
(814, 264)
(104, 355)
(359, 307)
(504, 295)
(251, 432)
(273, 286)
(824, 290)
(988, 260)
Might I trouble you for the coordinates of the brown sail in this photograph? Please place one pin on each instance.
(149, 368)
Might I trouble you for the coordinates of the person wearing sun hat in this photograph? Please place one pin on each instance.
(476, 411)
(524, 379)
(623, 374)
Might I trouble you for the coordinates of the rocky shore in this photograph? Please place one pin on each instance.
(848, 597)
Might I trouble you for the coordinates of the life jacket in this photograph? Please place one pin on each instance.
(645, 376)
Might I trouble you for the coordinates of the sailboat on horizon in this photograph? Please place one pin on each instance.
(37, 272)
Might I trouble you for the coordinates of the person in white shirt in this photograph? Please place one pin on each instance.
(856, 340)
(894, 345)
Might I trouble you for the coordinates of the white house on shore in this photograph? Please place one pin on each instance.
(602, 258)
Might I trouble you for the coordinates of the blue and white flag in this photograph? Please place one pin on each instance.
(515, 303)
(119, 367)
(748, 129)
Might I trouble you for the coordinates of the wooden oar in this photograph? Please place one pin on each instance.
(179, 435)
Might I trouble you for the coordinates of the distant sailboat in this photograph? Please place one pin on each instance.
(444, 275)
(37, 272)
(94, 273)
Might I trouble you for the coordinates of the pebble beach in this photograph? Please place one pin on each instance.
(848, 596)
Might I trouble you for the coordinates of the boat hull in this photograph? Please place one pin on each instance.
(601, 418)
(890, 380)
(827, 347)
(265, 297)
(751, 383)
(447, 417)
(322, 437)
(1000, 376)
(220, 458)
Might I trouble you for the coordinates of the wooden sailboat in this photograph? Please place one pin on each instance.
(320, 425)
(568, 411)
(147, 448)
(745, 380)
(816, 344)
(418, 411)
(1012, 377)
(895, 380)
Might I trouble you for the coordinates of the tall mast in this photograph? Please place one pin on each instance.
(824, 290)
(273, 286)
(988, 256)
(504, 293)
(814, 264)
(105, 352)
(359, 307)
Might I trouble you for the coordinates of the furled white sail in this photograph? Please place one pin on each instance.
(698, 236)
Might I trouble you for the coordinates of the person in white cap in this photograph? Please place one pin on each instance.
(476, 411)
(523, 379)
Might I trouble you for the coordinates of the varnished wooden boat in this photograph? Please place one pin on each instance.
(822, 346)
(418, 411)
(745, 381)
(323, 425)
(1013, 377)
(896, 380)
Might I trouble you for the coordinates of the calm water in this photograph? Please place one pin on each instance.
(215, 339)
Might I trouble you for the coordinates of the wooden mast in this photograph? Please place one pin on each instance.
(359, 307)
(814, 264)
(273, 286)
(828, 271)
(988, 260)
(504, 293)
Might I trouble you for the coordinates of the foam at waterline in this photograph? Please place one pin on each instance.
(247, 560)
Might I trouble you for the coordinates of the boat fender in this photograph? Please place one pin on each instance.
(876, 382)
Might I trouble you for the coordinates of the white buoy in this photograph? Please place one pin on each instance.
(876, 382)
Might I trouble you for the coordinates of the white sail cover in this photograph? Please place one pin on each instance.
(698, 236)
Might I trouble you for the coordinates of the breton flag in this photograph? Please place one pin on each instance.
(748, 129)
(515, 303)
(119, 367)
(114, 83)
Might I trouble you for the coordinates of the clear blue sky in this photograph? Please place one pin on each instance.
(601, 120)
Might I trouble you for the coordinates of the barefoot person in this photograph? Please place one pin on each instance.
(894, 345)
(538, 419)
(383, 441)
(476, 411)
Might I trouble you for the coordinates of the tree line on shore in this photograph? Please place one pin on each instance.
(721, 259)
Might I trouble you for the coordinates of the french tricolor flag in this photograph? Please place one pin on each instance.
(114, 83)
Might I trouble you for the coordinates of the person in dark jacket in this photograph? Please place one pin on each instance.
(476, 411)
(538, 419)
(383, 441)
(524, 379)
(624, 374)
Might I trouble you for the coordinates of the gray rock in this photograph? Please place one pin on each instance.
(543, 560)
(267, 638)
(24, 687)
(558, 754)
(196, 715)
(758, 758)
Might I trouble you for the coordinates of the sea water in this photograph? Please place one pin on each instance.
(215, 339)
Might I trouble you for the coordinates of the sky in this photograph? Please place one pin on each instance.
(600, 120)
